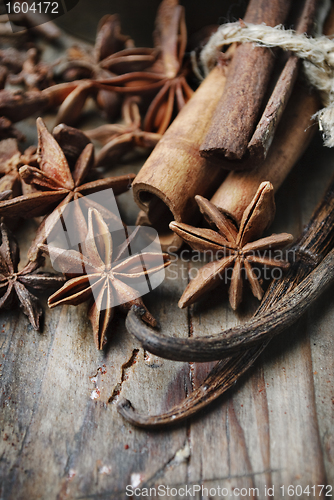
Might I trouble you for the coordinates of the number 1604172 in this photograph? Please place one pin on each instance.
(34, 7)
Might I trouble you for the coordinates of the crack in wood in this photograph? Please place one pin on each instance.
(126, 367)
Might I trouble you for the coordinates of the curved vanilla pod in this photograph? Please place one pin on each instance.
(220, 345)
(314, 244)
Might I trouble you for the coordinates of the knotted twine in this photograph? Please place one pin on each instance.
(317, 55)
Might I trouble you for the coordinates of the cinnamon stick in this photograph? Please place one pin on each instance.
(246, 84)
(292, 137)
(262, 138)
(175, 172)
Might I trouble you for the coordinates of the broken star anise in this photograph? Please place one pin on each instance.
(101, 275)
(233, 248)
(55, 186)
(11, 160)
(15, 285)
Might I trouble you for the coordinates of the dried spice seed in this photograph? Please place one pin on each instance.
(167, 74)
(283, 304)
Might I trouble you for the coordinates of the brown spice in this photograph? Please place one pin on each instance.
(245, 87)
(119, 139)
(233, 248)
(100, 271)
(15, 285)
(55, 186)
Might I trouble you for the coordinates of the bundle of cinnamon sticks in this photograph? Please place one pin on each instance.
(249, 121)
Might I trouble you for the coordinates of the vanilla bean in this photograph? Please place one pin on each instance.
(246, 84)
(221, 378)
(316, 241)
(216, 346)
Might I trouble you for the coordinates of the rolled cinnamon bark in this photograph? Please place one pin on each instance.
(245, 87)
(262, 138)
(175, 172)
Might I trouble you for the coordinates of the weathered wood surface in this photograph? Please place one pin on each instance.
(62, 438)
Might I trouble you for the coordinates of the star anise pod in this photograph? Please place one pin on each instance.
(119, 139)
(7, 130)
(233, 248)
(55, 186)
(16, 286)
(167, 74)
(113, 53)
(100, 275)
(72, 141)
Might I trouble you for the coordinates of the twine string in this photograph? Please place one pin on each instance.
(317, 55)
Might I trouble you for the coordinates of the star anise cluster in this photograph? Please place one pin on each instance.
(112, 69)
(44, 181)
(237, 248)
(57, 179)
(55, 186)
